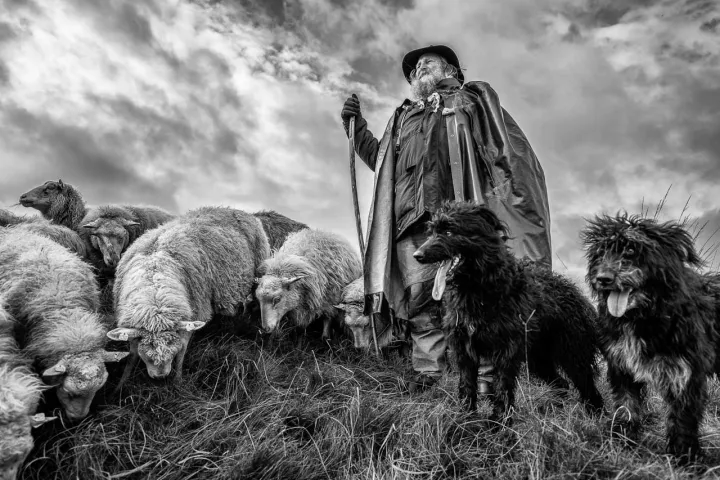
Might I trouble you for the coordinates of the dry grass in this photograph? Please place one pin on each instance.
(288, 413)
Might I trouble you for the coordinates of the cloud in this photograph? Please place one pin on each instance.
(237, 103)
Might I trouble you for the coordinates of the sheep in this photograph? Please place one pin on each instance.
(352, 304)
(58, 202)
(58, 233)
(53, 296)
(304, 279)
(20, 391)
(277, 227)
(174, 278)
(109, 229)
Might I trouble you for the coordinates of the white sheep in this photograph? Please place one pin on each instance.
(20, 391)
(172, 280)
(54, 297)
(304, 279)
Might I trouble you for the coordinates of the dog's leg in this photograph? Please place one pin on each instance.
(686, 410)
(626, 394)
(582, 375)
(506, 379)
(544, 369)
(467, 383)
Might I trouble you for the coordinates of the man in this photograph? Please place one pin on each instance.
(453, 142)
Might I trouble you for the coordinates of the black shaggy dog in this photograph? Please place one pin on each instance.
(657, 321)
(506, 309)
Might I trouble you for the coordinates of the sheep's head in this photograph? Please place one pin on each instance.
(110, 236)
(277, 296)
(78, 377)
(361, 327)
(157, 349)
(19, 395)
(42, 197)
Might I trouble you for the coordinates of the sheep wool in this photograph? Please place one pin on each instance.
(53, 295)
(171, 281)
(305, 278)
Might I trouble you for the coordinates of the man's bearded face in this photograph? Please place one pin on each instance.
(429, 70)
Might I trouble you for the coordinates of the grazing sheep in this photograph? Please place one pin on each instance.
(53, 295)
(58, 202)
(20, 391)
(277, 227)
(304, 279)
(175, 277)
(109, 229)
(57, 233)
(352, 304)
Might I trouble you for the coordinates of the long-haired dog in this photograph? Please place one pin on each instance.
(506, 309)
(657, 321)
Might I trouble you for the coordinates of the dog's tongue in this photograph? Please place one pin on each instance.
(617, 302)
(439, 285)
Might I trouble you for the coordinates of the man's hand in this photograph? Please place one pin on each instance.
(350, 109)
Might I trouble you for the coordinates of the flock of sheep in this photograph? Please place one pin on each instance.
(78, 276)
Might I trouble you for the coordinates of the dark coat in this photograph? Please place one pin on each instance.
(497, 167)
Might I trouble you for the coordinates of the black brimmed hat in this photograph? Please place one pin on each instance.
(411, 59)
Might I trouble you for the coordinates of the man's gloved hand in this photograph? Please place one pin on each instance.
(351, 108)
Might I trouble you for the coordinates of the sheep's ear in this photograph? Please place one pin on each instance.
(113, 356)
(39, 419)
(129, 223)
(94, 224)
(123, 334)
(341, 306)
(57, 369)
(289, 281)
(60, 184)
(190, 326)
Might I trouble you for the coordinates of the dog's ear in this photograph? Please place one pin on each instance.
(673, 238)
(494, 221)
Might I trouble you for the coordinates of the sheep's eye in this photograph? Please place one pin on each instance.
(630, 251)
(448, 233)
(275, 301)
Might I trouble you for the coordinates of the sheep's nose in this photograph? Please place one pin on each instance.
(419, 255)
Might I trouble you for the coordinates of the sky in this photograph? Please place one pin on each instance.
(182, 104)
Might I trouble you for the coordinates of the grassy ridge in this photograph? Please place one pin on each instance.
(287, 413)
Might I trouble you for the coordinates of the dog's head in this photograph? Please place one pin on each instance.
(633, 259)
(458, 232)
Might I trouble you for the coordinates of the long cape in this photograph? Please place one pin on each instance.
(498, 168)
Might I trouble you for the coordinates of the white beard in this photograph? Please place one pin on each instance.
(425, 85)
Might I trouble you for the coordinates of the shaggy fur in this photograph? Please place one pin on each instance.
(277, 227)
(657, 321)
(352, 304)
(175, 277)
(58, 202)
(53, 295)
(8, 218)
(20, 391)
(108, 230)
(507, 310)
(305, 278)
(58, 233)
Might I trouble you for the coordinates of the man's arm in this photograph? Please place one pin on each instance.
(366, 145)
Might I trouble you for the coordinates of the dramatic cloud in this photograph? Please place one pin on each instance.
(184, 104)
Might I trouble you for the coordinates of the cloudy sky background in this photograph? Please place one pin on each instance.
(182, 104)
